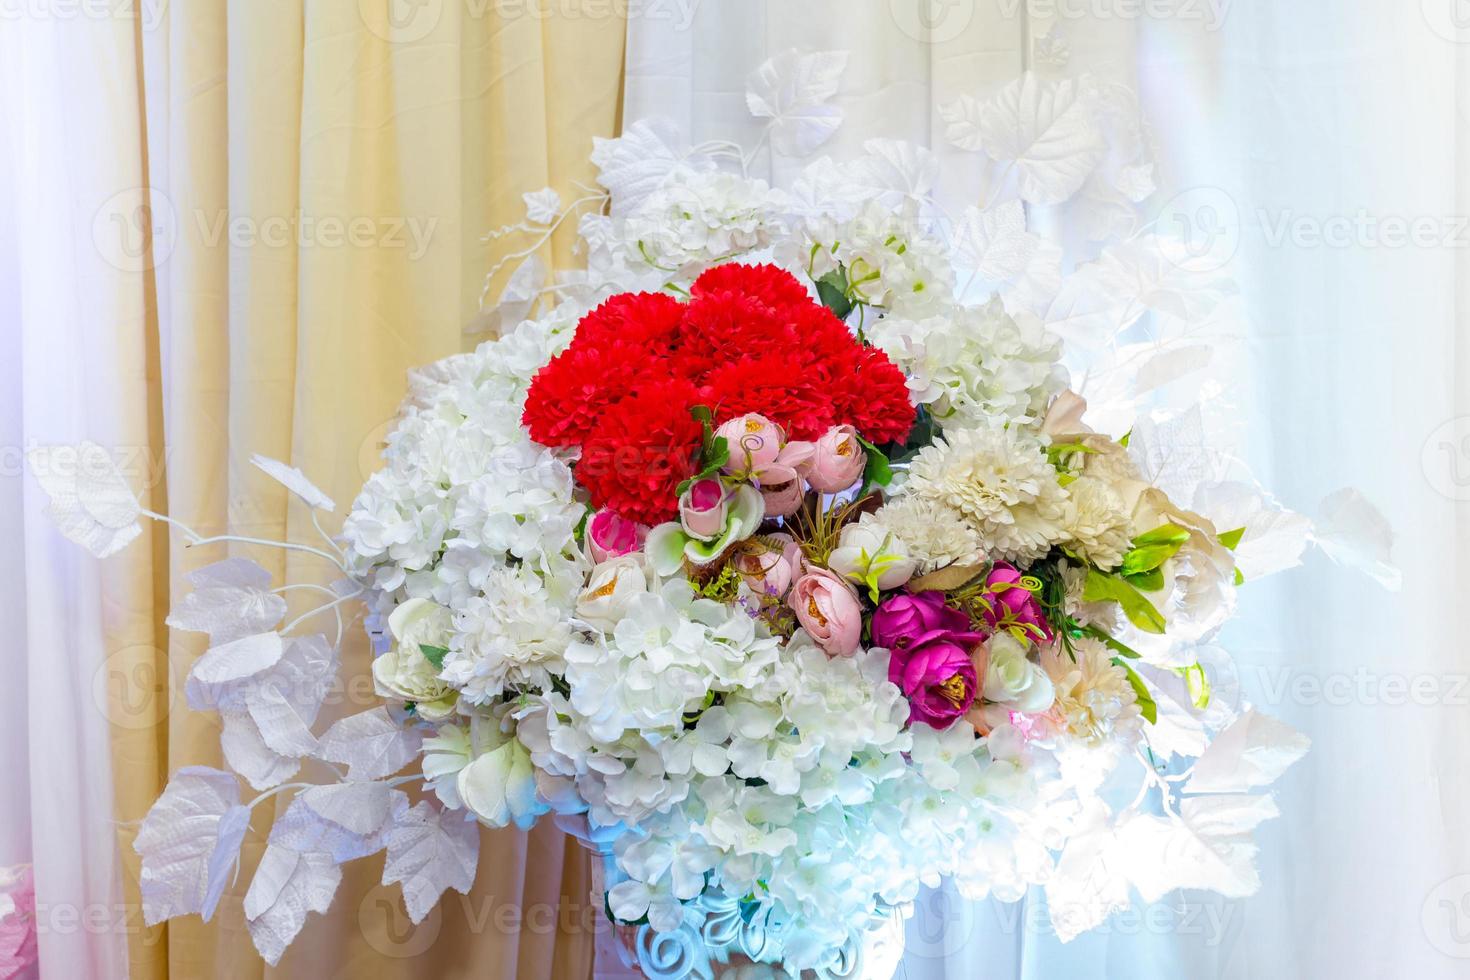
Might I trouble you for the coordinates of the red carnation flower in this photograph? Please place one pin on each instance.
(641, 450)
(878, 404)
(646, 320)
(771, 285)
(772, 386)
(568, 396)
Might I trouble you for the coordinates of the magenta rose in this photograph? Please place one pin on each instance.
(829, 610)
(937, 674)
(610, 535)
(903, 617)
(1011, 603)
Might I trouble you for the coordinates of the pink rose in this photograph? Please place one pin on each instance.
(1012, 604)
(838, 460)
(610, 535)
(768, 564)
(703, 509)
(783, 499)
(828, 609)
(754, 442)
(938, 677)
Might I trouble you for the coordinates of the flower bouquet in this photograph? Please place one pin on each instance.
(776, 559)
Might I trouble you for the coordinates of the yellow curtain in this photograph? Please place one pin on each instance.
(322, 175)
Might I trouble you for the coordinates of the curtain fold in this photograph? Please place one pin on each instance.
(239, 223)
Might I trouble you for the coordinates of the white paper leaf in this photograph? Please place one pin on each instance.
(543, 206)
(246, 752)
(1252, 752)
(1274, 537)
(430, 850)
(218, 678)
(371, 744)
(638, 162)
(285, 701)
(302, 828)
(1042, 131)
(1210, 847)
(225, 857)
(520, 294)
(1354, 533)
(361, 808)
(1087, 885)
(892, 171)
(90, 501)
(294, 480)
(1169, 365)
(792, 89)
(230, 600)
(288, 885)
(994, 243)
(178, 840)
(1172, 455)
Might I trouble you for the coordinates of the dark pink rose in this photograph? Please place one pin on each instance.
(1012, 604)
(937, 674)
(610, 535)
(905, 616)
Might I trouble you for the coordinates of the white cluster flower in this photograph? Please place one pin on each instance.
(1095, 703)
(935, 534)
(705, 218)
(1001, 482)
(973, 364)
(1095, 525)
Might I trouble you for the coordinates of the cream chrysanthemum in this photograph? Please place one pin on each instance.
(1095, 703)
(1002, 483)
(935, 534)
(1094, 523)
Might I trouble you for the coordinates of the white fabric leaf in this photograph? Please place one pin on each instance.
(1087, 885)
(638, 162)
(1172, 455)
(543, 206)
(430, 850)
(288, 885)
(1169, 365)
(246, 752)
(520, 293)
(178, 840)
(1209, 847)
(1274, 537)
(302, 828)
(1354, 533)
(994, 243)
(216, 680)
(90, 501)
(294, 480)
(1254, 751)
(230, 600)
(284, 703)
(371, 744)
(361, 808)
(792, 89)
(225, 857)
(892, 171)
(1043, 131)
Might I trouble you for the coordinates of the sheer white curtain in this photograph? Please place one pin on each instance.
(70, 374)
(1322, 147)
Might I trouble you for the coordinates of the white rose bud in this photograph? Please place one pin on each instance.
(611, 588)
(1011, 678)
(407, 672)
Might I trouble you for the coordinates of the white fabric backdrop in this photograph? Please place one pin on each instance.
(1309, 137)
(61, 380)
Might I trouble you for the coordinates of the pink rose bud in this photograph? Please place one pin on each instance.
(783, 499)
(829, 610)
(768, 564)
(610, 535)
(703, 509)
(838, 461)
(754, 442)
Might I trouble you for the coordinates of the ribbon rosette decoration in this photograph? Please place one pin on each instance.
(779, 552)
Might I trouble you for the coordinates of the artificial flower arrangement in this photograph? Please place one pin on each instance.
(794, 577)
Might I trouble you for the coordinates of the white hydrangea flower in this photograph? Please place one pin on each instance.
(974, 364)
(705, 218)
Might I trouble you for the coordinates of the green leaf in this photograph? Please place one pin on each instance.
(434, 655)
(1146, 704)
(1153, 549)
(1102, 587)
(1117, 646)
(1239, 576)
(1126, 436)
(878, 472)
(1162, 535)
(1231, 539)
(1197, 682)
(1149, 581)
(832, 291)
(714, 458)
